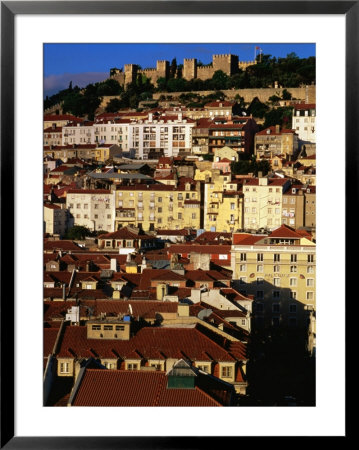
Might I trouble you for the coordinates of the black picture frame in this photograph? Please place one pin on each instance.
(9, 9)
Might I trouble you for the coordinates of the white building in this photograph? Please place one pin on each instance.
(92, 208)
(303, 122)
(263, 199)
(112, 132)
(55, 219)
(78, 133)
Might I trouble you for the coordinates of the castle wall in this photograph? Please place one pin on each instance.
(306, 93)
(205, 72)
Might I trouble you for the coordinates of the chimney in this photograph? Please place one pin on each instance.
(87, 266)
(63, 291)
(114, 264)
(277, 129)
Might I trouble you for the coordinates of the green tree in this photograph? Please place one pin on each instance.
(114, 105)
(286, 95)
(78, 232)
(173, 68)
(257, 108)
(220, 80)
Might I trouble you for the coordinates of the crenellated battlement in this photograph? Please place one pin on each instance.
(228, 63)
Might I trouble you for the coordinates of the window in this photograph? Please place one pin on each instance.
(227, 371)
(160, 209)
(193, 215)
(293, 295)
(276, 257)
(293, 308)
(96, 206)
(120, 327)
(243, 268)
(109, 216)
(310, 295)
(276, 281)
(86, 206)
(260, 294)
(310, 282)
(203, 368)
(292, 282)
(259, 257)
(293, 269)
(132, 366)
(64, 367)
(96, 327)
(78, 206)
(108, 327)
(232, 205)
(180, 215)
(260, 268)
(293, 258)
(310, 258)
(243, 256)
(275, 307)
(275, 294)
(276, 269)
(275, 321)
(310, 269)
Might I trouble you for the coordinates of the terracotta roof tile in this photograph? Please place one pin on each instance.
(135, 388)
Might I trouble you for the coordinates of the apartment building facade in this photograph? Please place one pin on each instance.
(263, 200)
(303, 122)
(92, 208)
(276, 142)
(158, 206)
(279, 269)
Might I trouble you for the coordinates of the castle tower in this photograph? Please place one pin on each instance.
(130, 73)
(227, 63)
(163, 68)
(189, 68)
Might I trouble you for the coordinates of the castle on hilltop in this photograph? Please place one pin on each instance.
(229, 64)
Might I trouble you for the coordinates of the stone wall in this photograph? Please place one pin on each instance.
(305, 93)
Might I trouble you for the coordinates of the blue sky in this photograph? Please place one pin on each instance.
(88, 63)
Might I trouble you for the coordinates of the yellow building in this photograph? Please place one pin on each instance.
(279, 270)
(223, 204)
(225, 152)
(158, 206)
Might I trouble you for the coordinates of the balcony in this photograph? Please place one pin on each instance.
(125, 214)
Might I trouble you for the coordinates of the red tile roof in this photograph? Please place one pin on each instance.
(135, 388)
(190, 341)
(284, 231)
(53, 130)
(89, 191)
(218, 104)
(195, 248)
(305, 106)
(61, 245)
